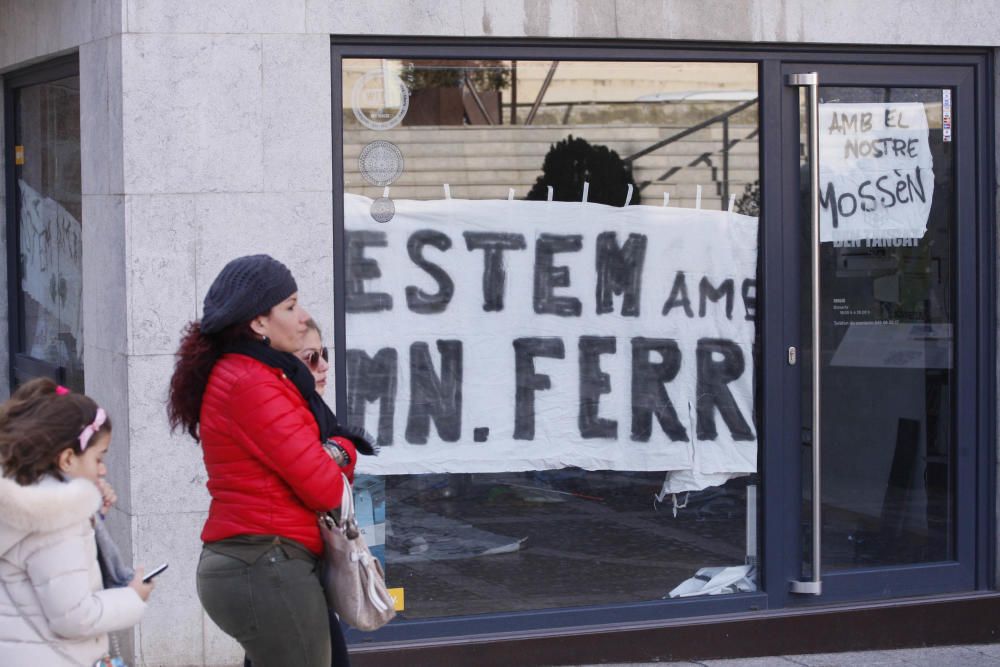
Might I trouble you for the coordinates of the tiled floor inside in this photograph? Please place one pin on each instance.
(468, 544)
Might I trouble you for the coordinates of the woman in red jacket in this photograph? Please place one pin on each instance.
(239, 388)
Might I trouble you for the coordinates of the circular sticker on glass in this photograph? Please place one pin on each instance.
(381, 162)
(380, 100)
(383, 209)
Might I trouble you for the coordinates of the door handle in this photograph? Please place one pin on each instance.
(810, 80)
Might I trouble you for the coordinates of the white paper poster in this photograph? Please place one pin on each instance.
(51, 273)
(876, 171)
(492, 336)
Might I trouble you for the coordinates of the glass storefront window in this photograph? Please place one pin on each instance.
(551, 327)
(49, 214)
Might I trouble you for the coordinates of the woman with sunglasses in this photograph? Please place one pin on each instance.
(315, 356)
(317, 360)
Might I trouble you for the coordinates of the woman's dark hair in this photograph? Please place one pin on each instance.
(312, 326)
(195, 359)
(37, 424)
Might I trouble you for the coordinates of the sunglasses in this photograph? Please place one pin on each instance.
(312, 359)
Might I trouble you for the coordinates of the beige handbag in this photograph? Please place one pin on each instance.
(352, 577)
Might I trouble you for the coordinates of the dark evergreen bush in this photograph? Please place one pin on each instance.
(571, 161)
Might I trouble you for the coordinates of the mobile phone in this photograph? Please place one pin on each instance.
(157, 570)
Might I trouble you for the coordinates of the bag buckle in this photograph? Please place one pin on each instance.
(351, 530)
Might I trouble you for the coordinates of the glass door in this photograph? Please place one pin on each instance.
(884, 230)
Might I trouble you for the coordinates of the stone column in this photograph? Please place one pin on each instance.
(226, 151)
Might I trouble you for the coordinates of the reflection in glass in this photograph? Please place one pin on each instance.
(676, 125)
(466, 543)
(50, 258)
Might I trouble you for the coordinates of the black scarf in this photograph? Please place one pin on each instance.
(296, 371)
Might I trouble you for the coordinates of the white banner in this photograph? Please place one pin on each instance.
(490, 336)
(876, 171)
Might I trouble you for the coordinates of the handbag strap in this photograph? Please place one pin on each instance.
(348, 515)
(343, 517)
(347, 512)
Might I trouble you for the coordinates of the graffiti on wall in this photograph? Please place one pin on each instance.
(51, 255)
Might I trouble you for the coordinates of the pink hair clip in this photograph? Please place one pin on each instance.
(61, 390)
(89, 431)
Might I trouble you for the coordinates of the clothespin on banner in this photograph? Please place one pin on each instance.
(447, 191)
(628, 195)
(661, 496)
(666, 199)
(551, 192)
(679, 506)
(732, 202)
(586, 191)
(510, 194)
(697, 197)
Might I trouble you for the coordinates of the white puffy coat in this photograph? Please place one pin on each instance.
(53, 608)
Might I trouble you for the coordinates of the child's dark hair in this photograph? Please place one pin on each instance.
(37, 424)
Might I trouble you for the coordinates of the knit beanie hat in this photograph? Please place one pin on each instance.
(246, 287)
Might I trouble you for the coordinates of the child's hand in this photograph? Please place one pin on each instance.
(109, 497)
(141, 588)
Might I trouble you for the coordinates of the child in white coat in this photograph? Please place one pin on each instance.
(54, 610)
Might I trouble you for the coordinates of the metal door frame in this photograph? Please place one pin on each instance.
(972, 428)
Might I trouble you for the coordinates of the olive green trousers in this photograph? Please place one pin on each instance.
(274, 607)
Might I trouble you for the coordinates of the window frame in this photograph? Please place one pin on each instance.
(773, 333)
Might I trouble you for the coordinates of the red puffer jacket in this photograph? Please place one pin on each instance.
(267, 471)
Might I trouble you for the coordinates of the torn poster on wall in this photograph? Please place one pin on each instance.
(496, 336)
(876, 172)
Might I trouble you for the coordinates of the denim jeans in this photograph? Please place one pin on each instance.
(275, 608)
